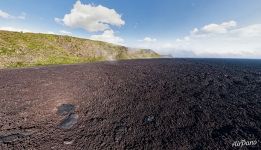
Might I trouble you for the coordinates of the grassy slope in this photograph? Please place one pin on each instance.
(30, 49)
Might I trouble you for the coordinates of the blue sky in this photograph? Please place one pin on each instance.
(162, 25)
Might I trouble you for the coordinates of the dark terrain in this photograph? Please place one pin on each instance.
(134, 104)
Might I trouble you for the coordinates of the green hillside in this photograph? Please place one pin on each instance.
(19, 49)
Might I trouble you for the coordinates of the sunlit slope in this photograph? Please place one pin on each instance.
(19, 49)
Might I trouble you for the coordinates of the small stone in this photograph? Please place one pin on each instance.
(69, 121)
(65, 109)
(149, 119)
(68, 142)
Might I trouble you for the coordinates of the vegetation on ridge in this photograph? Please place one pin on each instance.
(19, 49)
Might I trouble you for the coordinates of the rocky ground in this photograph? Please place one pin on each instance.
(135, 104)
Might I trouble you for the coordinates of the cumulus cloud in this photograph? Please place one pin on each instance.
(91, 18)
(216, 40)
(148, 40)
(108, 36)
(216, 28)
(224, 40)
(6, 15)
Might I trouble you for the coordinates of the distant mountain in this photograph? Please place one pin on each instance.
(19, 49)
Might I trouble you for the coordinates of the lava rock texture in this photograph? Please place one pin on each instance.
(134, 104)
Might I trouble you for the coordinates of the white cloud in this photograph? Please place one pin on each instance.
(219, 28)
(65, 32)
(224, 40)
(215, 40)
(15, 29)
(148, 40)
(108, 36)
(6, 15)
(91, 18)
